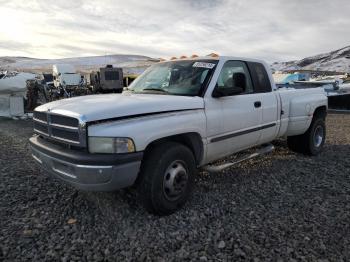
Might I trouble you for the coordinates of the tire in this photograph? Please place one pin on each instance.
(312, 141)
(167, 178)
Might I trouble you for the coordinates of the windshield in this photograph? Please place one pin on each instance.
(186, 77)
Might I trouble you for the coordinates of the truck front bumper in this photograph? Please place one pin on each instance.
(91, 172)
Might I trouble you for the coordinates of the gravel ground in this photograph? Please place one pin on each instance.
(283, 206)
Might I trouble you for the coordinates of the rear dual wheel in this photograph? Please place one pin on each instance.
(312, 141)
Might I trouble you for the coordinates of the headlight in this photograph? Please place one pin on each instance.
(111, 145)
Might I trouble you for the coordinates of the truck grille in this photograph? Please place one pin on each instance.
(59, 128)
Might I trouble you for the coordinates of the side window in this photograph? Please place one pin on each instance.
(260, 78)
(235, 74)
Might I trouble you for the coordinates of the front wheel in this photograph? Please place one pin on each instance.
(167, 178)
(312, 141)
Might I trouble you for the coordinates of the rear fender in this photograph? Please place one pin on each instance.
(302, 110)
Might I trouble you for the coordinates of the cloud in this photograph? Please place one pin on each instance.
(13, 45)
(274, 30)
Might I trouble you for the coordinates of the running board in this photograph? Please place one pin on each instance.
(262, 151)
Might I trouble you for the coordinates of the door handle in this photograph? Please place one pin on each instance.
(257, 104)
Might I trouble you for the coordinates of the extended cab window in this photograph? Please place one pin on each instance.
(234, 75)
(260, 78)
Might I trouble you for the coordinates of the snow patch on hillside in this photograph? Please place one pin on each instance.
(338, 60)
(82, 64)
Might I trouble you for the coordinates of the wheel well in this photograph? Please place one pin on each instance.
(192, 140)
(320, 111)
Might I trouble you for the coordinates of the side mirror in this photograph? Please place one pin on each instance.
(217, 92)
(226, 91)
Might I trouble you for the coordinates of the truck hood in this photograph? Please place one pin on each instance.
(99, 107)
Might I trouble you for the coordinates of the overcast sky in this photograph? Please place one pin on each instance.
(274, 30)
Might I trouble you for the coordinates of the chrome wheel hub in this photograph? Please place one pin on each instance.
(318, 136)
(175, 180)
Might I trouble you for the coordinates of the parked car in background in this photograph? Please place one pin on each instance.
(284, 79)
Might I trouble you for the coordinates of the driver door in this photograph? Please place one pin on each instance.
(240, 112)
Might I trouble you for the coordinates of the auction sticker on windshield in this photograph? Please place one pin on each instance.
(204, 65)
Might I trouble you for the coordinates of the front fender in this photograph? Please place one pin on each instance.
(145, 130)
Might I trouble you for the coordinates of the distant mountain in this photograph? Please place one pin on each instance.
(338, 60)
(133, 63)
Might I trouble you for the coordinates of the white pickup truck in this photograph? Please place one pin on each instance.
(177, 117)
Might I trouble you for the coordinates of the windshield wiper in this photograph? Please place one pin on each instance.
(155, 89)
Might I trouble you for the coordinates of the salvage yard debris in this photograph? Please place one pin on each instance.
(13, 88)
